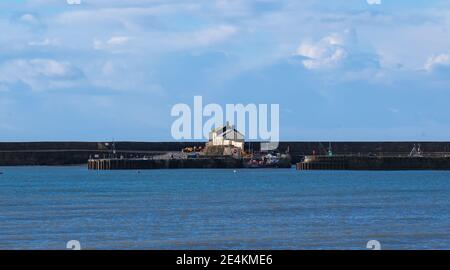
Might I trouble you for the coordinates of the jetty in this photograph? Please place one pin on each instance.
(146, 164)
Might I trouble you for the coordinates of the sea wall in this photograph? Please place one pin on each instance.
(72, 153)
(64, 153)
(374, 163)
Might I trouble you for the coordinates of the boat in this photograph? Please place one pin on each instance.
(269, 161)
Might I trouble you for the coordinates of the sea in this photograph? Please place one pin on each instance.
(276, 209)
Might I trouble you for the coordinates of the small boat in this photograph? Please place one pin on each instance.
(268, 161)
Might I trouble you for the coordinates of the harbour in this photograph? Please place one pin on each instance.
(346, 155)
(227, 148)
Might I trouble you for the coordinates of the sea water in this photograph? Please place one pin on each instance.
(45, 207)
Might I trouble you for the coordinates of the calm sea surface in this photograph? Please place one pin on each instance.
(44, 207)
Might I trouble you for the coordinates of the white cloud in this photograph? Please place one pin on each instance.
(28, 18)
(326, 53)
(115, 41)
(111, 43)
(45, 42)
(118, 74)
(442, 60)
(374, 2)
(158, 42)
(213, 35)
(39, 74)
(123, 15)
(45, 67)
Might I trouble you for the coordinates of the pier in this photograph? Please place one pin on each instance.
(145, 164)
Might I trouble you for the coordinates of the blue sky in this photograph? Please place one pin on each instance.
(340, 70)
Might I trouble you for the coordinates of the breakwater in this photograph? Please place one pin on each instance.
(374, 163)
(65, 153)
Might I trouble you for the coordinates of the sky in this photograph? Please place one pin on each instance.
(341, 70)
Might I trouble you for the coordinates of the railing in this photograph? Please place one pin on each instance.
(398, 154)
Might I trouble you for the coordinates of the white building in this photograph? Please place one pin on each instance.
(226, 136)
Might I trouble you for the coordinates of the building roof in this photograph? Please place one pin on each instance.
(227, 129)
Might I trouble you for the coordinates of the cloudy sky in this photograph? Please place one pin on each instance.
(340, 70)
